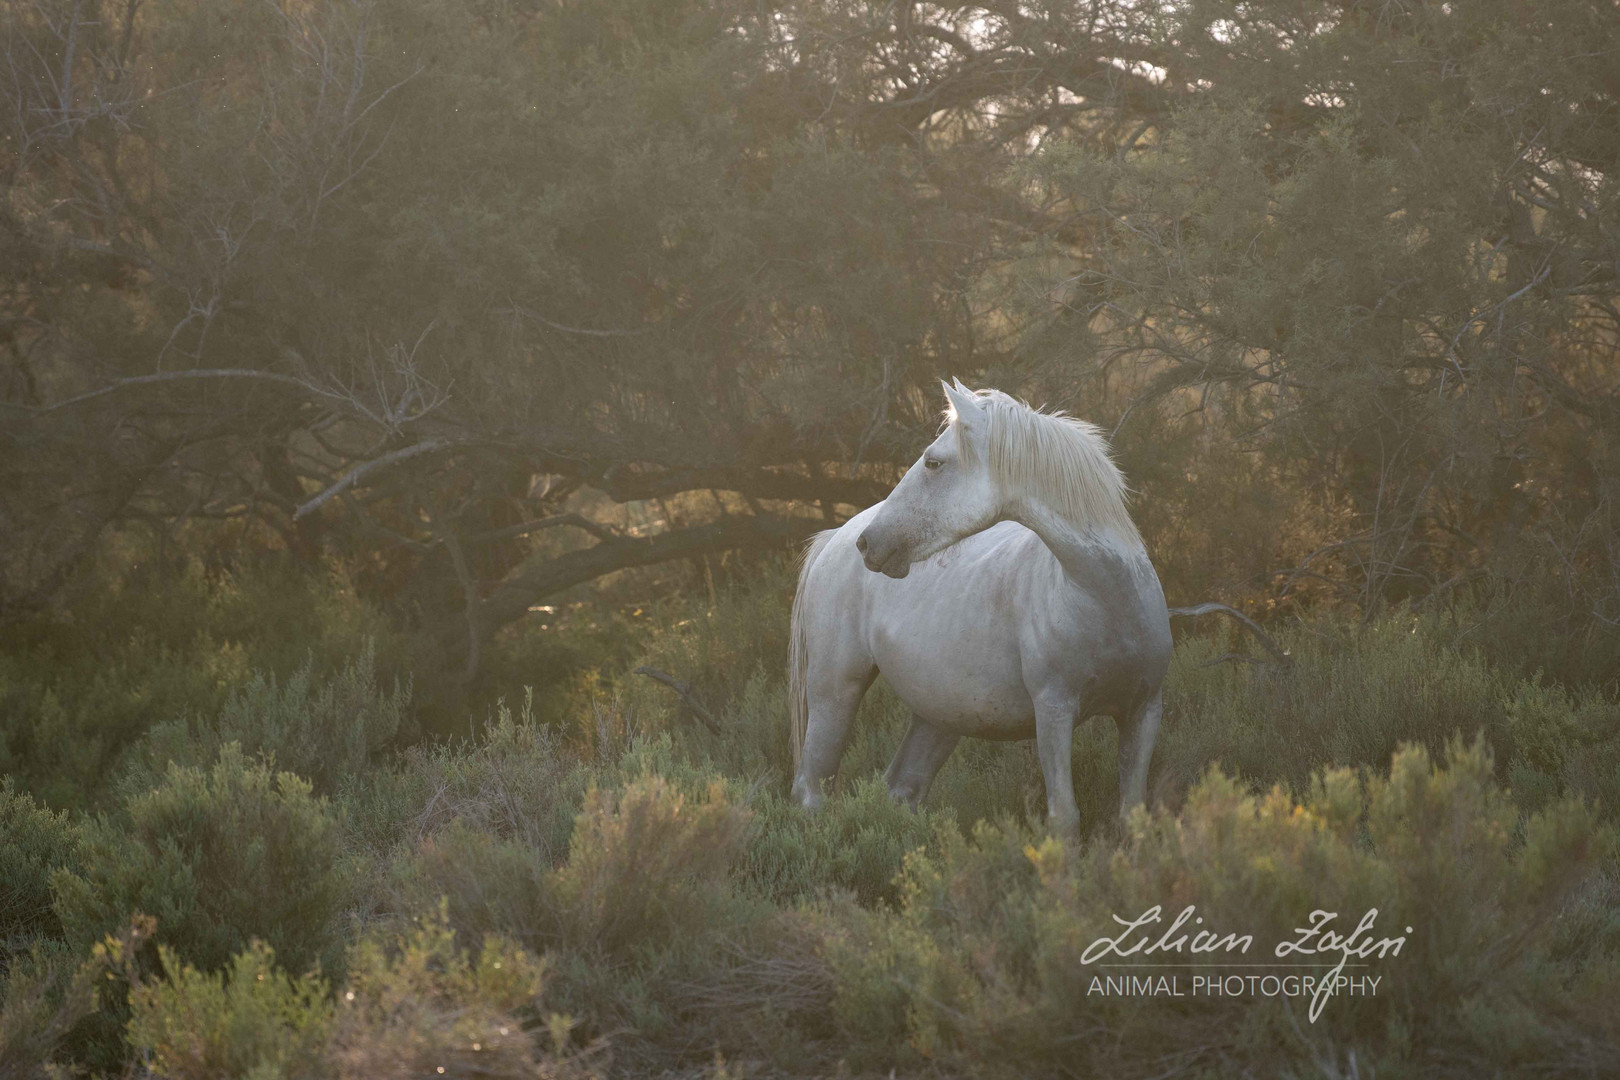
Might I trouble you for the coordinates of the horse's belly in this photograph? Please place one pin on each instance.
(965, 684)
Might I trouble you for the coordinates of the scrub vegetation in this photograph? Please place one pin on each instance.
(620, 891)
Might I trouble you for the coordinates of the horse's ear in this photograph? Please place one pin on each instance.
(963, 404)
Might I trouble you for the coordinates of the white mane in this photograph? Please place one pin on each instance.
(1061, 461)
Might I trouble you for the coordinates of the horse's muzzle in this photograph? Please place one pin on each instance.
(881, 560)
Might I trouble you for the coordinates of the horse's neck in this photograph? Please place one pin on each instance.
(1083, 553)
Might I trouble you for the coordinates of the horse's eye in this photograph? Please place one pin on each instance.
(932, 463)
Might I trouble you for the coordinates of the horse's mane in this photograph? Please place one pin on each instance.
(1059, 459)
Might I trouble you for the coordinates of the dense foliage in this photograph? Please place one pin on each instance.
(490, 300)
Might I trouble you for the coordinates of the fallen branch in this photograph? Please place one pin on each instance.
(1277, 652)
(685, 692)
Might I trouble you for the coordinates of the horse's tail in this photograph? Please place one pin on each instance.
(799, 652)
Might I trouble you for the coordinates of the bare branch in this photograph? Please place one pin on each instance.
(541, 319)
(524, 528)
(1278, 652)
(684, 690)
(177, 376)
(365, 469)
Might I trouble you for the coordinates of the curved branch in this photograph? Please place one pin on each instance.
(533, 582)
(1277, 652)
(684, 691)
(760, 483)
(364, 469)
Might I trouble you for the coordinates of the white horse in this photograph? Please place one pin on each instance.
(1015, 599)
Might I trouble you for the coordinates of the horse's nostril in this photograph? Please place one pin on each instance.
(860, 543)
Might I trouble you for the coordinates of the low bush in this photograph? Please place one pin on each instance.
(44, 992)
(34, 843)
(717, 649)
(857, 841)
(1350, 696)
(416, 1004)
(218, 857)
(685, 907)
(248, 1020)
(146, 643)
(1353, 694)
(489, 884)
(1538, 621)
(647, 863)
(984, 968)
(421, 1005)
(67, 720)
(517, 781)
(325, 730)
(1561, 742)
(643, 908)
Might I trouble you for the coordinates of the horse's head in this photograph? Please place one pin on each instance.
(946, 495)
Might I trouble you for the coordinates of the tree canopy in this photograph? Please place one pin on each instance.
(400, 282)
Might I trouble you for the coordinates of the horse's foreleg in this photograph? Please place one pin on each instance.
(1054, 735)
(921, 755)
(1137, 734)
(831, 719)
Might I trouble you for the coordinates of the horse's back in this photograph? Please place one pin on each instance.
(971, 634)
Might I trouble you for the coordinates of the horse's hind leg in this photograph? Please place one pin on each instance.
(834, 696)
(921, 755)
(1137, 734)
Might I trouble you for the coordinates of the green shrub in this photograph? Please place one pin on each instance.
(415, 1004)
(1351, 696)
(685, 905)
(34, 842)
(647, 863)
(218, 857)
(1538, 621)
(516, 782)
(1562, 742)
(420, 1005)
(982, 970)
(717, 648)
(43, 994)
(143, 644)
(858, 841)
(648, 856)
(640, 913)
(489, 884)
(326, 731)
(68, 712)
(249, 1020)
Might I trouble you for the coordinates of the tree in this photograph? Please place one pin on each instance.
(399, 281)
